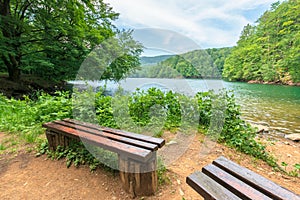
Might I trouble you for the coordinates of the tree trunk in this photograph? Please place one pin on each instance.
(12, 62)
(14, 74)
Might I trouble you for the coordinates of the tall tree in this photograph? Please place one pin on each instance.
(51, 38)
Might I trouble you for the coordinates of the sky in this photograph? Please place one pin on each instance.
(205, 23)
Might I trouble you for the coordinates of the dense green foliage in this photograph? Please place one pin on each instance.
(216, 114)
(194, 64)
(270, 50)
(52, 38)
(27, 116)
(218, 55)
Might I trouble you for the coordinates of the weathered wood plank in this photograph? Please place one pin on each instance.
(50, 136)
(208, 188)
(233, 184)
(133, 142)
(255, 180)
(158, 141)
(138, 178)
(108, 144)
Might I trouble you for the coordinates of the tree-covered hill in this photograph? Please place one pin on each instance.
(146, 60)
(194, 64)
(270, 50)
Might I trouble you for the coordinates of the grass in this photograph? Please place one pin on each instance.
(2, 147)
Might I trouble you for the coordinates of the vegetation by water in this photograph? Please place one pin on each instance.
(25, 117)
(270, 50)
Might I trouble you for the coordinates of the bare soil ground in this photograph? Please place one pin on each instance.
(24, 176)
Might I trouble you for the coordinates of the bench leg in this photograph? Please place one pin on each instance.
(51, 140)
(138, 179)
(58, 139)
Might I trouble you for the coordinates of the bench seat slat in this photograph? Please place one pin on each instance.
(158, 141)
(255, 180)
(208, 188)
(133, 142)
(233, 184)
(115, 146)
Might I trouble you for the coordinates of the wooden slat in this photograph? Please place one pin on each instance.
(108, 144)
(109, 135)
(208, 188)
(158, 141)
(255, 180)
(233, 184)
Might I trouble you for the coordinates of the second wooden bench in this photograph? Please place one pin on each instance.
(136, 152)
(224, 179)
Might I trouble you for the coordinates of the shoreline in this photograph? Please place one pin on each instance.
(290, 83)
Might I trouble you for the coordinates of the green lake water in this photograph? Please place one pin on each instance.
(275, 106)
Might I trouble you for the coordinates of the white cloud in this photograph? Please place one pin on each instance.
(211, 23)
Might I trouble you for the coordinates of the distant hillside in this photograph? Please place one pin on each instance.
(146, 60)
(194, 64)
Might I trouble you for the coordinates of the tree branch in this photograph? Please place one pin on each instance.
(25, 9)
(40, 51)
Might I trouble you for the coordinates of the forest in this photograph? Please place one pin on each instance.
(270, 50)
(50, 39)
(206, 63)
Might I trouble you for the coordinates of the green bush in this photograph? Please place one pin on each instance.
(217, 115)
(25, 117)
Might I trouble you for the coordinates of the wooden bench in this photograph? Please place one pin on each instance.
(136, 152)
(224, 179)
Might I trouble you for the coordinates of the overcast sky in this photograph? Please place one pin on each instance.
(209, 23)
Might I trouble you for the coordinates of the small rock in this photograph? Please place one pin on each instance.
(178, 181)
(181, 192)
(261, 128)
(171, 142)
(294, 136)
(114, 198)
(106, 189)
(285, 177)
(289, 155)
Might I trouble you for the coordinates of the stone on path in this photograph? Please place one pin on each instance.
(294, 137)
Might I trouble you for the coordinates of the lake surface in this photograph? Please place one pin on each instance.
(275, 106)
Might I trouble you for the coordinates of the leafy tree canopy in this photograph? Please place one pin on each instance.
(270, 50)
(51, 38)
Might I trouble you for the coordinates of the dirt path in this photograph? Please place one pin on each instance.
(28, 177)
